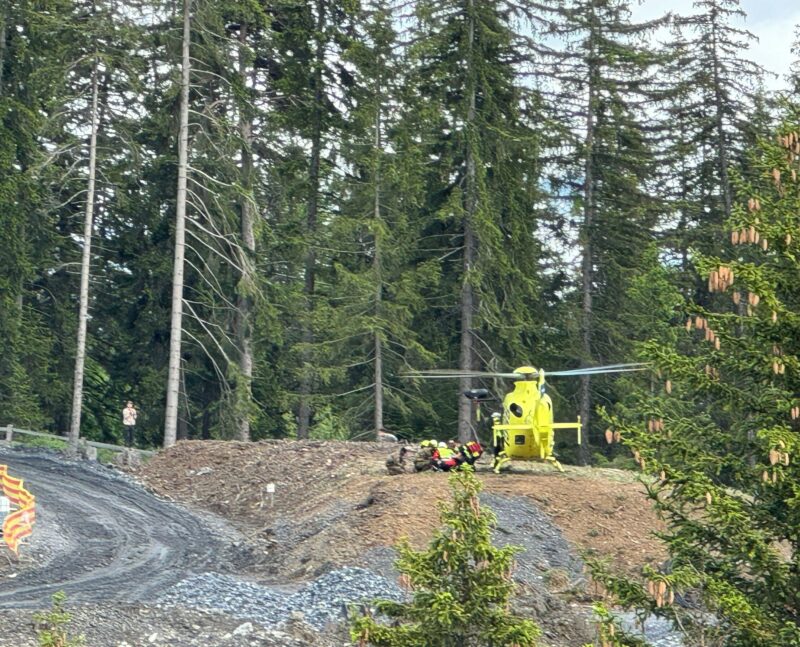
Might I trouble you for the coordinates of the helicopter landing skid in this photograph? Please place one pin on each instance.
(500, 460)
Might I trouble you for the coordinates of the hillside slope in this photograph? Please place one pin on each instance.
(335, 505)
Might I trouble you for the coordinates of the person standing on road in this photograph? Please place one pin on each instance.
(129, 414)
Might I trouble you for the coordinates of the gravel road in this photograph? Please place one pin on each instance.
(100, 537)
(133, 567)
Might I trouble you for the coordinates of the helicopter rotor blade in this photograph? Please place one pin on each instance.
(443, 374)
(600, 370)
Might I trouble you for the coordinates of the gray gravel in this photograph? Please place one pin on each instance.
(322, 602)
(105, 625)
(657, 631)
(519, 523)
(544, 549)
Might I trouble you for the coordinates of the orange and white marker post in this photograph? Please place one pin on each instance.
(21, 510)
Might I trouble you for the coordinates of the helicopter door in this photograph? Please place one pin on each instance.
(517, 411)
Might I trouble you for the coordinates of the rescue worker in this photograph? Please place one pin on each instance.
(446, 464)
(445, 451)
(471, 452)
(424, 459)
(467, 453)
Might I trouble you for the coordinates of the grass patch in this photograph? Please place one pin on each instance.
(60, 444)
(57, 444)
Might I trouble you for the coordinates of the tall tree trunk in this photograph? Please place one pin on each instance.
(468, 297)
(376, 264)
(173, 374)
(304, 413)
(182, 428)
(83, 312)
(3, 45)
(722, 147)
(587, 265)
(244, 330)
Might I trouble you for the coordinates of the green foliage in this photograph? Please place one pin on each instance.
(609, 632)
(373, 288)
(607, 157)
(28, 79)
(53, 625)
(704, 113)
(328, 426)
(460, 586)
(40, 441)
(717, 435)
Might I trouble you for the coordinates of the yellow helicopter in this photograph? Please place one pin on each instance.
(525, 428)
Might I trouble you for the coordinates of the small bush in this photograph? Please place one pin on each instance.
(460, 586)
(53, 625)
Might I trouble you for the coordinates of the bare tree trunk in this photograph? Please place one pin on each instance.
(722, 148)
(376, 264)
(3, 45)
(304, 412)
(182, 428)
(244, 329)
(83, 311)
(468, 297)
(378, 383)
(173, 374)
(587, 265)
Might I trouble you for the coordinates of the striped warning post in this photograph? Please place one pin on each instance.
(18, 524)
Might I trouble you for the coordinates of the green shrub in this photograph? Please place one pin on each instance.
(53, 625)
(461, 585)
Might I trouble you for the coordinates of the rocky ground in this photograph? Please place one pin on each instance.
(143, 625)
(334, 501)
(335, 508)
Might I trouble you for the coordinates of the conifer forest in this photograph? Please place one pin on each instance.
(254, 218)
(251, 218)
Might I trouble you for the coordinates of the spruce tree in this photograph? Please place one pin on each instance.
(602, 78)
(477, 124)
(30, 67)
(374, 292)
(711, 90)
(718, 437)
(460, 586)
(311, 93)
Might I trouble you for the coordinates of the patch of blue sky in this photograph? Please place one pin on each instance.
(773, 22)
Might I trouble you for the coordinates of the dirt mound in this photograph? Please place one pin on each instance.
(334, 501)
(334, 505)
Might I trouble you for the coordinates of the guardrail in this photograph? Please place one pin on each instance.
(18, 524)
(11, 430)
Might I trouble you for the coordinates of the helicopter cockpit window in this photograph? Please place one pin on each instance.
(515, 409)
